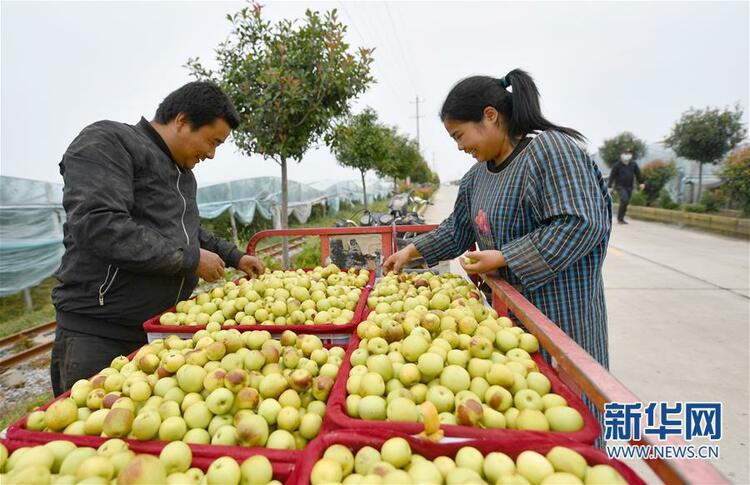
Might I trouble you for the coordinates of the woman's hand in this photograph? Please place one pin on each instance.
(483, 261)
(398, 260)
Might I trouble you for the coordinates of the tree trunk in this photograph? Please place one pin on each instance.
(395, 185)
(364, 188)
(284, 213)
(700, 181)
(233, 223)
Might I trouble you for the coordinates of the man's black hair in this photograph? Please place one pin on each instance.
(203, 102)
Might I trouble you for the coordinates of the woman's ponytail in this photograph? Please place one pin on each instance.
(514, 95)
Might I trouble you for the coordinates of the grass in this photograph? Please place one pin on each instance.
(22, 409)
(14, 316)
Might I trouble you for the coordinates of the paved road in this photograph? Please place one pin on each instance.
(678, 302)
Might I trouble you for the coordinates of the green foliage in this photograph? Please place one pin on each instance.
(14, 316)
(290, 81)
(309, 257)
(638, 198)
(736, 178)
(362, 143)
(24, 408)
(706, 135)
(713, 201)
(697, 208)
(222, 227)
(404, 159)
(656, 174)
(625, 142)
(665, 201)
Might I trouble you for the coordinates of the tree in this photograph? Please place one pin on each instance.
(403, 156)
(625, 142)
(736, 177)
(656, 174)
(361, 143)
(706, 136)
(290, 82)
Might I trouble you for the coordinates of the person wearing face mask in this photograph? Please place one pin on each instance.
(535, 204)
(621, 177)
(133, 241)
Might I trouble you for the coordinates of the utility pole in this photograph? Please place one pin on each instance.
(417, 101)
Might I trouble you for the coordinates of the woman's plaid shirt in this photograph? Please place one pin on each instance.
(549, 213)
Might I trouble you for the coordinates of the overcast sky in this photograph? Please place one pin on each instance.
(602, 68)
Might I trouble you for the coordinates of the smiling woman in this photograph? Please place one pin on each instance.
(535, 204)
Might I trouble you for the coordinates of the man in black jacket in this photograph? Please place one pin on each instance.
(622, 176)
(133, 241)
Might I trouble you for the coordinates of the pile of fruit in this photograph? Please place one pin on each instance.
(222, 387)
(62, 462)
(321, 296)
(430, 338)
(395, 463)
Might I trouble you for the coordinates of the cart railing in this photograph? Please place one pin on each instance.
(387, 235)
(574, 365)
(580, 371)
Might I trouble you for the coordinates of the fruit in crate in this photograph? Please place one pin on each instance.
(429, 337)
(395, 462)
(113, 462)
(220, 387)
(323, 295)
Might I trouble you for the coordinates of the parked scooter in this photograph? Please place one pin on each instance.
(400, 214)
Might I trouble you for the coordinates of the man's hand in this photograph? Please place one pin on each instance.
(398, 260)
(641, 187)
(210, 266)
(251, 265)
(484, 261)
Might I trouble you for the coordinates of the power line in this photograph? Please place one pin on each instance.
(364, 44)
(400, 46)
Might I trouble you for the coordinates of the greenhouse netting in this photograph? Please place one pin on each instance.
(32, 216)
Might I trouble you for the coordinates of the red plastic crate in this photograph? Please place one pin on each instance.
(18, 431)
(355, 439)
(336, 410)
(329, 333)
(281, 469)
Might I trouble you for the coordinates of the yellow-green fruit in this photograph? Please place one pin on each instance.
(60, 414)
(564, 418)
(396, 451)
(74, 459)
(603, 474)
(3, 456)
(143, 470)
(32, 475)
(562, 478)
(36, 456)
(342, 455)
(59, 448)
(566, 460)
(95, 466)
(326, 471)
(256, 470)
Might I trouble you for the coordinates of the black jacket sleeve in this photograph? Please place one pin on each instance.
(613, 175)
(98, 197)
(226, 250)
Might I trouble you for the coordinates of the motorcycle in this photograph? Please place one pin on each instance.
(400, 214)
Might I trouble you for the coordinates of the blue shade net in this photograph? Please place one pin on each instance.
(32, 216)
